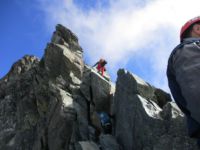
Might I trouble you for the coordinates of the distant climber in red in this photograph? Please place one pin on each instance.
(101, 66)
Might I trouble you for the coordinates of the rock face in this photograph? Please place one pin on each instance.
(37, 110)
(53, 104)
(96, 90)
(141, 123)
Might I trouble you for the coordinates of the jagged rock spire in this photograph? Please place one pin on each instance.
(64, 36)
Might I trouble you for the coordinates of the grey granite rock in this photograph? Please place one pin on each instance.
(52, 104)
(88, 145)
(108, 142)
(96, 90)
(141, 124)
(38, 108)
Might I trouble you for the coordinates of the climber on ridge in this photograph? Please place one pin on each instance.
(101, 66)
(183, 74)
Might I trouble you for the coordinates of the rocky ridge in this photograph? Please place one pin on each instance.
(53, 104)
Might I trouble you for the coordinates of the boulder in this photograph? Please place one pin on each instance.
(138, 86)
(64, 61)
(161, 97)
(64, 36)
(88, 145)
(108, 142)
(21, 66)
(96, 90)
(141, 124)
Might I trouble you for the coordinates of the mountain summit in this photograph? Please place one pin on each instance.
(56, 103)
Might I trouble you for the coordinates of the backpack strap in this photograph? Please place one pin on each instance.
(195, 41)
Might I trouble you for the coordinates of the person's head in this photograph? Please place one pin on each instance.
(190, 29)
(103, 61)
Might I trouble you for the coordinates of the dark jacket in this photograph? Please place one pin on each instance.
(183, 74)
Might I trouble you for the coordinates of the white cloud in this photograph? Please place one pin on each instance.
(125, 28)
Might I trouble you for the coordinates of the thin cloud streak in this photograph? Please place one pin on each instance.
(125, 28)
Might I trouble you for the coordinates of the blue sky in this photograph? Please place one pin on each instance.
(137, 35)
(23, 31)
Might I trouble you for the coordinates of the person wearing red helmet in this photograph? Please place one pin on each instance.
(187, 27)
(183, 73)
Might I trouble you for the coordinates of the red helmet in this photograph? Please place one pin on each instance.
(187, 25)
